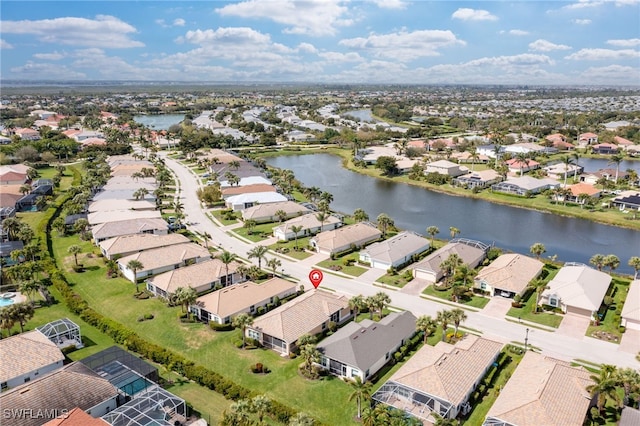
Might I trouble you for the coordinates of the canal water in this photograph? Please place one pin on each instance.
(159, 121)
(414, 208)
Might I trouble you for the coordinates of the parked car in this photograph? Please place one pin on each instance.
(205, 175)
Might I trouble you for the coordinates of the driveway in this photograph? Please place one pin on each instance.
(497, 307)
(573, 325)
(630, 341)
(415, 287)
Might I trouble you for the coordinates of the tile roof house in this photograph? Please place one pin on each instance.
(309, 224)
(440, 379)
(97, 218)
(519, 166)
(244, 201)
(471, 253)
(524, 184)
(508, 275)
(133, 243)
(577, 289)
(542, 391)
(27, 356)
(631, 309)
(629, 417)
(14, 174)
(577, 191)
(341, 239)
(162, 259)
(627, 200)
(479, 179)
(202, 276)
(248, 189)
(362, 349)
(445, 167)
(309, 313)
(605, 148)
(75, 386)
(587, 139)
(262, 213)
(394, 252)
(106, 230)
(75, 417)
(560, 170)
(222, 305)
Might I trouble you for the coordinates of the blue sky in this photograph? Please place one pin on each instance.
(324, 41)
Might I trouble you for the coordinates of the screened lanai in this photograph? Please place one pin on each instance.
(155, 406)
(413, 402)
(63, 333)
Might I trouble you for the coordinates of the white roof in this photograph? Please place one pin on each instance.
(306, 221)
(580, 286)
(250, 180)
(117, 215)
(110, 205)
(631, 308)
(257, 197)
(443, 164)
(397, 247)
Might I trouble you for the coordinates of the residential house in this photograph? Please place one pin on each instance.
(158, 260)
(263, 213)
(524, 185)
(362, 349)
(26, 357)
(577, 193)
(222, 305)
(577, 289)
(521, 166)
(405, 165)
(471, 252)
(440, 379)
(627, 200)
(466, 157)
(615, 125)
(87, 134)
(133, 243)
(605, 148)
(527, 148)
(14, 174)
(309, 313)
(608, 174)
(75, 417)
(122, 183)
(107, 230)
(202, 277)
(345, 238)
(630, 417)
(123, 194)
(9, 195)
(622, 142)
(479, 179)
(447, 168)
(246, 181)
(586, 139)
(309, 225)
(371, 154)
(59, 392)
(27, 134)
(109, 205)
(631, 309)
(394, 252)
(244, 201)
(104, 216)
(248, 189)
(542, 391)
(508, 275)
(490, 150)
(562, 170)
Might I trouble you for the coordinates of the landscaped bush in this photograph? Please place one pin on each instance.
(148, 316)
(220, 327)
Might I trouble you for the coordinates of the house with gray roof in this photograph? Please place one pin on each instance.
(362, 349)
(263, 213)
(446, 167)
(309, 225)
(125, 245)
(508, 275)
(162, 259)
(440, 379)
(523, 185)
(542, 391)
(117, 228)
(471, 252)
(631, 309)
(345, 238)
(577, 289)
(97, 218)
(629, 417)
(478, 179)
(395, 251)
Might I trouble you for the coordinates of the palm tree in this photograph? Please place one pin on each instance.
(474, 156)
(432, 231)
(249, 224)
(458, 316)
(612, 262)
(240, 412)
(185, 296)
(384, 223)
(605, 386)
(22, 312)
(566, 160)
(7, 320)
(449, 266)
(310, 354)
(29, 288)
(281, 215)
(523, 160)
(540, 287)
(227, 257)
(140, 193)
(427, 325)
(235, 164)
(355, 304)
(634, 262)
(453, 231)
(259, 253)
(576, 157)
(74, 250)
(242, 321)
(274, 264)
(359, 215)
(616, 159)
(322, 218)
(206, 237)
(327, 197)
(361, 392)
(371, 303)
(597, 260)
(382, 299)
(135, 266)
(443, 421)
(444, 318)
(12, 226)
(296, 230)
(260, 405)
(301, 419)
(537, 250)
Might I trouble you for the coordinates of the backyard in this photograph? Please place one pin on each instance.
(609, 327)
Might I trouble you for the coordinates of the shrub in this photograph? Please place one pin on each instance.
(148, 316)
(220, 327)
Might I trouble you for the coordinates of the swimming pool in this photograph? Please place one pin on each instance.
(6, 301)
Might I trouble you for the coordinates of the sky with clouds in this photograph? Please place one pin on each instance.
(324, 41)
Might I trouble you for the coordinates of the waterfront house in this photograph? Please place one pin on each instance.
(508, 275)
(109, 205)
(309, 313)
(586, 139)
(362, 349)
(527, 148)
(246, 181)
(471, 252)
(524, 185)
(440, 379)
(627, 200)
(445, 167)
(345, 238)
(605, 148)
(577, 289)
(244, 201)
(248, 189)
(562, 170)
(263, 213)
(158, 260)
(222, 305)
(542, 391)
(394, 252)
(577, 192)
(309, 225)
(631, 309)
(479, 179)
(128, 244)
(519, 166)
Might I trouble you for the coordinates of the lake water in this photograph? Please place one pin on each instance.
(160, 121)
(414, 208)
(360, 114)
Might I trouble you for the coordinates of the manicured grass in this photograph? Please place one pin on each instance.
(352, 270)
(526, 313)
(473, 301)
(610, 322)
(258, 233)
(218, 215)
(399, 279)
(296, 254)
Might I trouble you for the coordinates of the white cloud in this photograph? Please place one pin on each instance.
(103, 31)
(307, 48)
(229, 35)
(583, 4)
(47, 71)
(312, 17)
(581, 21)
(54, 56)
(522, 60)
(466, 14)
(338, 57)
(625, 43)
(518, 32)
(546, 46)
(404, 46)
(5, 45)
(179, 22)
(603, 54)
(611, 74)
(390, 4)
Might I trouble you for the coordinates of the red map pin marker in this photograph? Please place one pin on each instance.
(315, 276)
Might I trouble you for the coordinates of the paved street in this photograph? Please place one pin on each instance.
(565, 346)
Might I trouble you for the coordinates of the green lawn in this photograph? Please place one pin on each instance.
(258, 233)
(610, 322)
(526, 313)
(399, 279)
(290, 246)
(339, 265)
(218, 215)
(473, 301)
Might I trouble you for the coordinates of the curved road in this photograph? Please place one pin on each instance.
(552, 344)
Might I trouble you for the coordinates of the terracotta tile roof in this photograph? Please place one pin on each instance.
(136, 242)
(26, 352)
(543, 391)
(248, 189)
(76, 417)
(11, 189)
(193, 276)
(583, 188)
(511, 272)
(301, 315)
(631, 308)
(239, 297)
(165, 256)
(448, 371)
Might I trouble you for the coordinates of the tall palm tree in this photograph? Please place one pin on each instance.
(274, 264)
(427, 325)
(634, 262)
(227, 257)
(74, 250)
(597, 260)
(361, 392)
(359, 215)
(29, 288)
(537, 250)
(453, 231)
(611, 261)
(458, 316)
(384, 223)
(444, 318)
(371, 304)
(260, 405)
(575, 156)
(605, 386)
(259, 252)
(22, 312)
(322, 218)
(567, 161)
(242, 321)
(616, 159)
(296, 230)
(432, 231)
(382, 299)
(355, 304)
(135, 266)
(524, 161)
